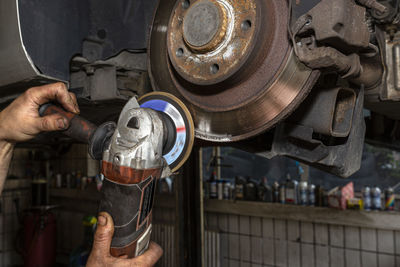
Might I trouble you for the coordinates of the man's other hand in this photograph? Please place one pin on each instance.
(100, 255)
(21, 121)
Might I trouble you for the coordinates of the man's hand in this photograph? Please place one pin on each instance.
(21, 121)
(100, 255)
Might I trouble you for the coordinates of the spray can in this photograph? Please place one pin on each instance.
(389, 199)
(220, 189)
(268, 194)
(366, 198)
(58, 180)
(311, 195)
(68, 180)
(275, 192)
(84, 182)
(261, 191)
(320, 196)
(282, 194)
(291, 191)
(227, 190)
(212, 186)
(303, 198)
(213, 189)
(240, 183)
(376, 198)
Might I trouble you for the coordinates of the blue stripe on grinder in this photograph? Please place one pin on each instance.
(155, 104)
(176, 116)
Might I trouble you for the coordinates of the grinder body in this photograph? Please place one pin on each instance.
(131, 166)
(149, 142)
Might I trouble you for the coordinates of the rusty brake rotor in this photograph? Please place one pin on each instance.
(230, 62)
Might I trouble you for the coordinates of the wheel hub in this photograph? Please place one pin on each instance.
(204, 26)
(230, 61)
(209, 40)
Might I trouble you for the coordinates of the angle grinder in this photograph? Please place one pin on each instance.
(152, 139)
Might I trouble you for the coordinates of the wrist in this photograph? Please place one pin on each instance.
(6, 147)
(6, 152)
(3, 129)
(5, 144)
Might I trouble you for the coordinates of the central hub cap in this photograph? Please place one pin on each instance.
(204, 26)
(209, 41)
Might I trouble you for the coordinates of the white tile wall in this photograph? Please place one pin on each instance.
(255, 241)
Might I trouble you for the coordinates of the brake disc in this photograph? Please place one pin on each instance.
(230, 62)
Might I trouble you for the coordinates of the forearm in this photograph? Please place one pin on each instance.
(6, 152)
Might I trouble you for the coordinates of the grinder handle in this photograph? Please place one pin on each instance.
(79, 128)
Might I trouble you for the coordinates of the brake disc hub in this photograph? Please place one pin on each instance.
(209, 40)
(204, 26)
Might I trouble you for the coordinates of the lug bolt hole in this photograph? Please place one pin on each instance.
(179, 52)
(214, 68)
(186, 4)
(246, 25)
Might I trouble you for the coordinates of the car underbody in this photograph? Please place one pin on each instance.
(308, 79)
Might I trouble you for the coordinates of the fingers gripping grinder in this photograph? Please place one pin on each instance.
(153, 138)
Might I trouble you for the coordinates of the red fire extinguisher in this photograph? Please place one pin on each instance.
(40, 242)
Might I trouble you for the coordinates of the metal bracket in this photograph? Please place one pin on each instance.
(340, 156)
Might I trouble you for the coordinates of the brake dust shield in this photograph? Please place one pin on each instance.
(230, 62)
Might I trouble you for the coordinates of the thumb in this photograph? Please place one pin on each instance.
(103, 235)
(150, 257)
(52, 122)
